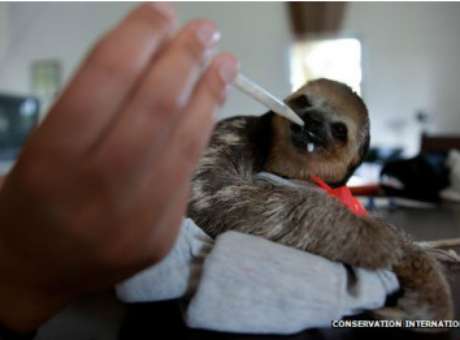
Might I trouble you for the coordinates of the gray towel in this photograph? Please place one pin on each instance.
(246, 284)
(174, 276)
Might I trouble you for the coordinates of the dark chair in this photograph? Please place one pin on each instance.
(439, 143)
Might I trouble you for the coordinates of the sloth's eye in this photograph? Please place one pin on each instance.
(339, 131)
(300, 102)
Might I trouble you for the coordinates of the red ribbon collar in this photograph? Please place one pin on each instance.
(343, 194)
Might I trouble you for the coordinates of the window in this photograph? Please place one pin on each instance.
(337, 59)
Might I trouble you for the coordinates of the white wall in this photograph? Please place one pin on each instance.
(3, 27)
(51, 30)
(412, 53)
(258, 36)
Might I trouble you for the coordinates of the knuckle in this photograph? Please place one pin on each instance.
(98, 175)
(152, 26)
(167, 104)
(113, 162)
(114, 65)
(192, 147)
(156, 13)
(215, 88)
(193, 50)
(191, 45)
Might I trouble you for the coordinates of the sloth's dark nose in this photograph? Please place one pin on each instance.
(313, 131)
(314, 123)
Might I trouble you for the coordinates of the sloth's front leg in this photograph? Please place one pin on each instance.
(306, 219)
(426, 293)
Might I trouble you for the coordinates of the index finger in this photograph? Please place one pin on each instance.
(107, 77)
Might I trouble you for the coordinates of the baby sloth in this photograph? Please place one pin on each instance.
(227, 194)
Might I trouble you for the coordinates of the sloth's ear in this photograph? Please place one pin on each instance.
(298, 102)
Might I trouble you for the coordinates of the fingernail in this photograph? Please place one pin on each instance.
(228, 69)
(164, 8)
(207, 34)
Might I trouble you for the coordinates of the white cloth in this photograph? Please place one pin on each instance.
(452, 193)
(247, 284)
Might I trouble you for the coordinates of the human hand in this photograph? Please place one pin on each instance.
(100, 188)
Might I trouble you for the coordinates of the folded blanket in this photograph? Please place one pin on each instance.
(242, 283)
(176, 274)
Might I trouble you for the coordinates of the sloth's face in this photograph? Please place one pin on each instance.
(334, 139)
(324, 131)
